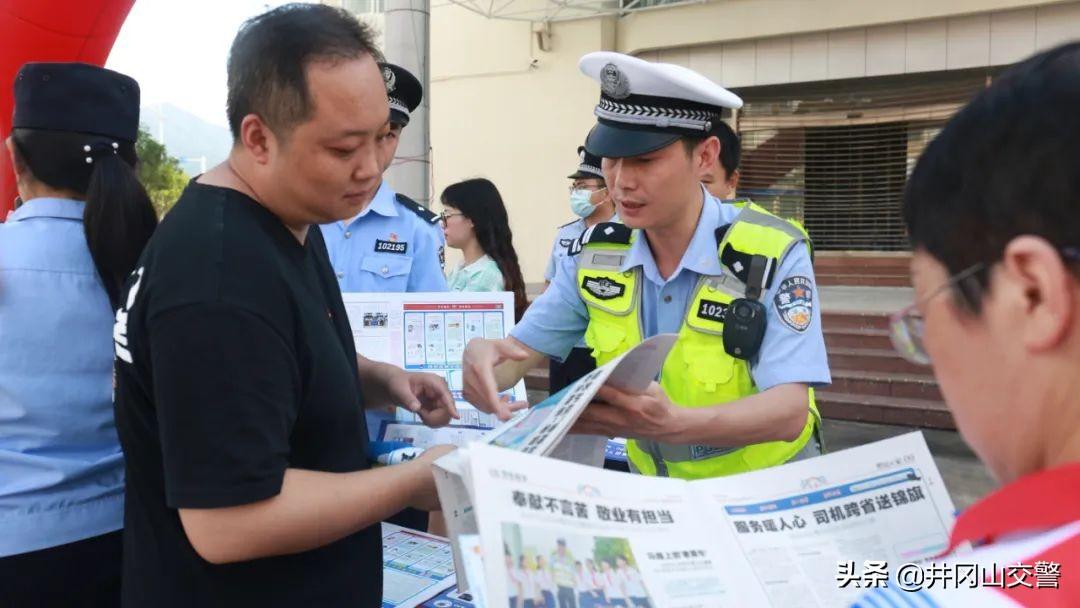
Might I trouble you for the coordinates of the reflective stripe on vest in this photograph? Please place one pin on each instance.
(698, 372)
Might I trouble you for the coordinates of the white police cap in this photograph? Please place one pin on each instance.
(645, 106)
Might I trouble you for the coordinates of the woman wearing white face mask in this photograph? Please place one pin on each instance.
(592, 204)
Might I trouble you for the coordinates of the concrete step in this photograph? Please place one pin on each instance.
(857, 338)
(862, 269)
(854, 320)
(927, 413)
(863, 279)
(885, 384)
(873, 360)
(847, 260)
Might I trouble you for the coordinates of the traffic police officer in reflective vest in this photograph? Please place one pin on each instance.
(734, 282)
(395, 244)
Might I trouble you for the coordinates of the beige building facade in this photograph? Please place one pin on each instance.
(841, 96)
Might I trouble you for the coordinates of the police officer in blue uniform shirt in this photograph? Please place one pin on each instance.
(64, 254)
(395, 244)
(679, 244)
(591, 202)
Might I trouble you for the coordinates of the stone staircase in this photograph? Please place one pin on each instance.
(862, 269)
(871, 382)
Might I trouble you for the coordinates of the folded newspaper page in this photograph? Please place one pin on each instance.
(542, 430)
(777, 537)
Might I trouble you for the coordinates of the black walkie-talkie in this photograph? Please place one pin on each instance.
(744, 323)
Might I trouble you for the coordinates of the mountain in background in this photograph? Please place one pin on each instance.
(187, 137)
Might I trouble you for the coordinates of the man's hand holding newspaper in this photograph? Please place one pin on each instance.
(616, 413)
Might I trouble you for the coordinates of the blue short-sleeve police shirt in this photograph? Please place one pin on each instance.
(387, 248)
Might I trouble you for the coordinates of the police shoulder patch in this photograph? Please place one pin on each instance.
(425, 214)
(603, 288)
(794, 302)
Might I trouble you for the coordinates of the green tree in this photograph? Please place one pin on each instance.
(610, 548)
(159, 173)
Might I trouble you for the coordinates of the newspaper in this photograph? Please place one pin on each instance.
(775, 537)
(542, 430)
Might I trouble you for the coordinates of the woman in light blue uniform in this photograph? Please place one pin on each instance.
(64, 253)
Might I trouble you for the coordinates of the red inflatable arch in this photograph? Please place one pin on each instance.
(49, 30)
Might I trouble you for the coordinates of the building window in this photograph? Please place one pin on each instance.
(836, 155)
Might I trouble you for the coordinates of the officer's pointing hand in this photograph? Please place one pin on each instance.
(614, 413)
(480, 387)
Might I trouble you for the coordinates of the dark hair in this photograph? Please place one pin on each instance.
(118, 216)
(269, 56)
(1003, 166)
(730, 145)
(479, 200)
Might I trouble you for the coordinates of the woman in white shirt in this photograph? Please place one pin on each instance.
(583, 586)
(596, 583)
(513, 582)
(526, 577)
(635, 585)
(614, 586)
(544, 583)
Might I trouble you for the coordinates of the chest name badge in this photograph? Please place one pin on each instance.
(794, 302)
(712, 311)
(603, 288)
(382, 246)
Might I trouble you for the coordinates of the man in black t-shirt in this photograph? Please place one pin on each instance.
(240, 395)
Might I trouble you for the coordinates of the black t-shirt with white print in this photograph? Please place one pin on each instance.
(235, 361)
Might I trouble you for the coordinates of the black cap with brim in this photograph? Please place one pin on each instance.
(404, 92)
(398, 118)
(610, 141)
(588, 166)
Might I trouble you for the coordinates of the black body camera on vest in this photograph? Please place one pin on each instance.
(744, 322)
(744, 328)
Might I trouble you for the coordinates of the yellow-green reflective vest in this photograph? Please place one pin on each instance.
(698, 371)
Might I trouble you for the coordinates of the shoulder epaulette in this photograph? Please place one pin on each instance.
(571, 222)
(606, 232)
(425, 214)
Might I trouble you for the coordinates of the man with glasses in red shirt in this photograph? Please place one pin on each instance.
(993, 212)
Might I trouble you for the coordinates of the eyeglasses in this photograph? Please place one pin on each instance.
(444, 216)
(906, 327)
(586, 187)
